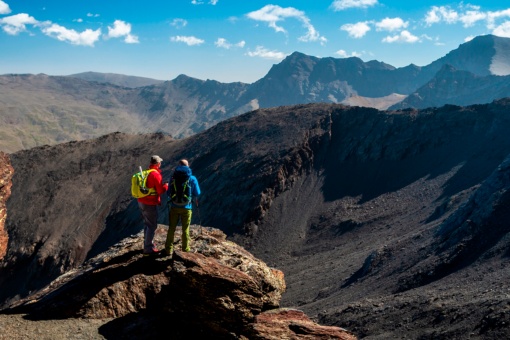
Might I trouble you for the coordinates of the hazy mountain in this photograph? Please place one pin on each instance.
(42, 109)
(389, 224)
(116, 79)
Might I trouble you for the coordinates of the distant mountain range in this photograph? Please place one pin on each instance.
(41, 109)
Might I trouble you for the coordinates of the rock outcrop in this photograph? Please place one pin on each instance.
(218, 291)
(6, 173)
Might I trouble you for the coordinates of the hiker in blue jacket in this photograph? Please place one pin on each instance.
(182, 190)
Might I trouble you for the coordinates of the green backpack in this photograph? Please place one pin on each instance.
(139, 182)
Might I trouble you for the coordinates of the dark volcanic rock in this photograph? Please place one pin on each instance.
(218, 290)
(349, 202)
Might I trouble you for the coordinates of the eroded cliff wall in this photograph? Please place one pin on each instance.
(6, 172)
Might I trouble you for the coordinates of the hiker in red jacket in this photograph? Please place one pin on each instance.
(149, 204)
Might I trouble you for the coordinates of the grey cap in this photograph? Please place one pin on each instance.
(156, 159)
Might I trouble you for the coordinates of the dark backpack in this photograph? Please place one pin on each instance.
(180, 188)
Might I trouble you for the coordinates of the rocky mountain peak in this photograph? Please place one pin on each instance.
(482, 56)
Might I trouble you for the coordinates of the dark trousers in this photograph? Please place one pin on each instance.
(150, 223)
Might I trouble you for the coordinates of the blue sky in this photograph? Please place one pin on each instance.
(231, 40)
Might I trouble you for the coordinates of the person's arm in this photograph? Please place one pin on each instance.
(196, 188)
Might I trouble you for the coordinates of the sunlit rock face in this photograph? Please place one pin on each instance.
(6, 173)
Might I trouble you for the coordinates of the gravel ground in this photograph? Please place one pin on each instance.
(16, 326)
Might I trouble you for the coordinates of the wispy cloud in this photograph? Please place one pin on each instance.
(85, 38)
(402, 37)
(357, 30)
(179, 23)
(223, 43)
(468, 15)
(198, 2)
(391, 24)
(4, 8)
(264, 53)
(15, 24)
(273, 14)
(340, 5)
(189, 40)
(91, 15)
(122, 29)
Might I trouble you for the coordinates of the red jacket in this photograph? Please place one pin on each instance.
(154, 180)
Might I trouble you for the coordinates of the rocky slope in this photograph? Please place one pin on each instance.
(218, 291)
(117, 79)
(40, 109)
(363, 210)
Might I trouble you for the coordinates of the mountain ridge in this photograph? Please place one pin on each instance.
(44, 109)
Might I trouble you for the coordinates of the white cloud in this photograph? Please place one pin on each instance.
(122, 29)
(339, 5)
(190, 40)
(502, 30)
(15, 24)
(264, 53)
(403, 37)
(469, 38)
(442, 13)
(272, 14)
(344, 54)
(468, 15)
(357, 30)
(471, 17)
(179, 23)
(91, 15)
(4, 8)
(85, 38)
(223, 43)
(391, 24)
(493, 16)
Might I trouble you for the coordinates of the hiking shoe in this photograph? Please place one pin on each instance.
(153, 251)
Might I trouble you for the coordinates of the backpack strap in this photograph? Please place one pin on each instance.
(152, 191)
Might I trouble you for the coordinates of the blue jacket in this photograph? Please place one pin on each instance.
(195, 188)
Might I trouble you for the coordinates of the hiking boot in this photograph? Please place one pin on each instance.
(166, 253)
